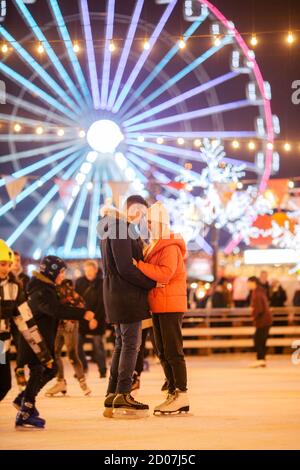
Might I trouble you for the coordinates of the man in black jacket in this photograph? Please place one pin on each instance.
(47, 310)
(90, 287)
(125, 299)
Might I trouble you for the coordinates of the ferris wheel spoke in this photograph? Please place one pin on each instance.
(63, 74)
(167, 164)
(33, 138)
(162, 64)
(32, 152)
(35, 90)
(86, 25)
(37, 110)
(138, 66)
(107, 53)
(185, 71)
(69, 46)
(27, 121)
(43, 75)
(75, 219)
(185, 153)
(94, 213)
(40, 164)
(37, 184)
(41, 205)
(180, 98)
(125, 53)
(195, 134)
(221, 108)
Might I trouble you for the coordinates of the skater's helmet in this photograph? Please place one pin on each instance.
(6, 254)
(51, 266)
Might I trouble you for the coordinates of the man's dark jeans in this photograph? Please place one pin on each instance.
(127, 346)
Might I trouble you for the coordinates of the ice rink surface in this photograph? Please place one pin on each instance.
(232, 407)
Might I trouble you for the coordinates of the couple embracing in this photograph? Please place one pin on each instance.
(140, 278)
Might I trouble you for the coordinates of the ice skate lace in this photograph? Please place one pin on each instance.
(135, 401)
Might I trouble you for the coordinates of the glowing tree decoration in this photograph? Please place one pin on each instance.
(111, 109)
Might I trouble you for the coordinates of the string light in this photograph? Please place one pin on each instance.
(141, 138)
(112, 46)
(197, 143)
(287, 147)
(239, 185)
(60, 132)
(236, 144)
(40, 49)
(81, 134)
(4, 48)
(270, 146)
(180, 141)
(217, 41)
(251, 146)
(17, 127)
(290, 38)
(146, 45)
(254, 41)
(160, 140)
(39, 130)
(76, 47)
(291, 184)
(181, 44)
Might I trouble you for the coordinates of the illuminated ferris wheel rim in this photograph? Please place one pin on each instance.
(227, 24)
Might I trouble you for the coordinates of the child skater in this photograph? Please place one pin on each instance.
(47, 310)
(15, 310)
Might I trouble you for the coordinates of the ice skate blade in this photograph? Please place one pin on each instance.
(126, 413)
(182, 411)
(28, 428)
(108, 413)
(55, 395)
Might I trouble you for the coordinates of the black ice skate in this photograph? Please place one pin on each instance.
(125, 406)
(108, 405)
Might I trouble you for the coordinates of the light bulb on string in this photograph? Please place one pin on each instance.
(181, 43)
(146, 45)
(41, 49)
(253, 40)
(290, 38)
(112, 46)
(4, 48)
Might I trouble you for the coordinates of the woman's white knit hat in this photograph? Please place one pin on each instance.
(159, 214)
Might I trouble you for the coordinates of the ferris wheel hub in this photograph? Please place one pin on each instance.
(104, 136)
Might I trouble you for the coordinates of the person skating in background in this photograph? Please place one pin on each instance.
(18, 271)
(125, 299)
(14, 309)
(240, 292)
(296, 297)
(90, 287)
(278, 295)
(262, 318)
(164, 263)
(67, 334)
(23, 279)
(47, 310)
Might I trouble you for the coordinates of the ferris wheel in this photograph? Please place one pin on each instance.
(109, 97)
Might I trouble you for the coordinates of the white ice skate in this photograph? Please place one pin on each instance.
(84, 387)
(176, 403)
(59, 387)
(258, 364)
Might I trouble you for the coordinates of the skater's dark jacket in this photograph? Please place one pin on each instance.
(47, 310)
(92, 293)
(260, 309)
(125, 286)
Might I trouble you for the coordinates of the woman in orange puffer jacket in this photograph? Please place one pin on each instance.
(164, 263)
